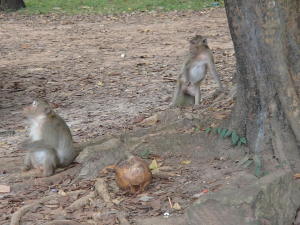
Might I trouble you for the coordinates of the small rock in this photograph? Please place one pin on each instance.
(145, 198)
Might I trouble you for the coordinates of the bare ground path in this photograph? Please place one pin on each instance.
(104, 73)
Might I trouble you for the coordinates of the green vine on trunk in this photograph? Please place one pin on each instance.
(225, 133)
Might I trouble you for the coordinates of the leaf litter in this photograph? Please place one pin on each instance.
(105, 74)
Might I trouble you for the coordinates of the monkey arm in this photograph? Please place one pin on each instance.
(34, 144)
(213, 72)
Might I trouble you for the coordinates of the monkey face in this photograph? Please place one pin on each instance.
(38, 107)
(198, 40)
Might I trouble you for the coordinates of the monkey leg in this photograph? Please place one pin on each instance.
(48, 170)
(177, 93)
(50, 162)
(197, 95)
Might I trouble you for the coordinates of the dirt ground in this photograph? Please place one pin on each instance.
(104, 74)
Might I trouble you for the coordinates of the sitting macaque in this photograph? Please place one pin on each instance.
(51, 143)
(194, 70)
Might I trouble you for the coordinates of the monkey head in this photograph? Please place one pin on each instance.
(38, 107)
(198, 40)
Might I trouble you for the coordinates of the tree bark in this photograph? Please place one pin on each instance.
(11, 4)
(266, 38)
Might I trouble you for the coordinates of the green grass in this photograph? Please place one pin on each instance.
(111, 6)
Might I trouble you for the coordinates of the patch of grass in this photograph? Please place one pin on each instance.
(112, 6)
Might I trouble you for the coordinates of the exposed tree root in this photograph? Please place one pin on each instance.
(17, 216)
(62, 222)
(61, 176)
(79, 203)
(101, 189)
(122, 219)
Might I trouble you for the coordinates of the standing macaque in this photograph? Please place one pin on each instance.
(194, 70)
(51, 143)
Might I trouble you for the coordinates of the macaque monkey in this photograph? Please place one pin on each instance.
(194, 70)
(51, 143)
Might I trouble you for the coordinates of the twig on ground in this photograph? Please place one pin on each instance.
(101, 189)
(62, 222)
(17, 216)
(170, 202)
(79, 203)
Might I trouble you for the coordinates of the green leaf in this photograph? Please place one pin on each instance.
(243, 140)
(234, 138)
(207, 130)
(219, 130)
(228, 133)
(224, 131)
(145, 154)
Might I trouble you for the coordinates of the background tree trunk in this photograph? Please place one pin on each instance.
(266, 37)
(11, 4)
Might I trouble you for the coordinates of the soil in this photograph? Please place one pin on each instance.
(104, 75)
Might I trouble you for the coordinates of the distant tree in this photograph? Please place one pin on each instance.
(11, 4)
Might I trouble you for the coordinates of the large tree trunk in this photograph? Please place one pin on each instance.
(266, 37)
(11, 4)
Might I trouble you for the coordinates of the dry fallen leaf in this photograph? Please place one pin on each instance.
(118, 200)
(205, 191)
(138, 119)
(100, 83)
(297, 176)
(176, 206)
(3, 144)
(25, 46)
(185, 162)
(220, 116)
(153, 165)
(62, 193)
(4, 188)
(150, 120)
